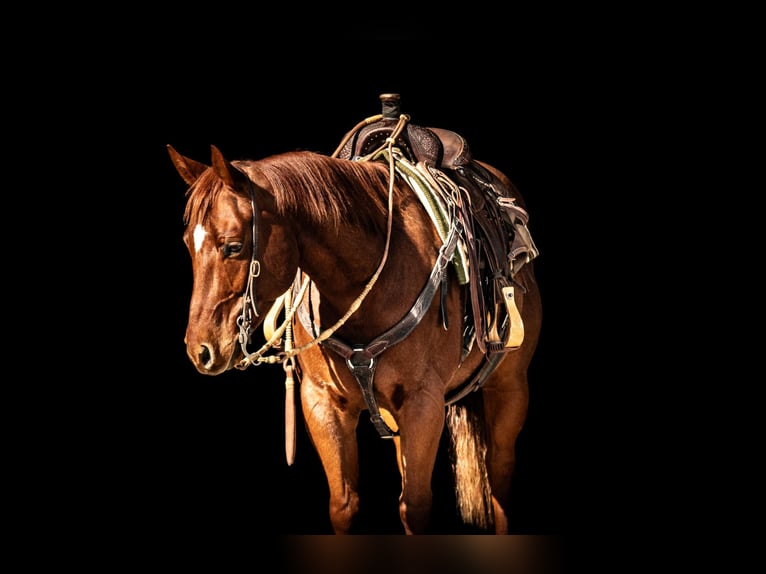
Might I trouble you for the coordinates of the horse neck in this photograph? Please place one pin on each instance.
(343, 261)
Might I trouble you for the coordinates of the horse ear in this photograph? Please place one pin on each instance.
(188, 169)
(239, 181)
(226, 171)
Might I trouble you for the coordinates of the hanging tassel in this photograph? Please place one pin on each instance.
(289, 366)
(289, 414)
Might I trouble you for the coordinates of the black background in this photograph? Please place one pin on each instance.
(163, 445)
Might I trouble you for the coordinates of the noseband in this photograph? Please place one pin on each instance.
(249, 299)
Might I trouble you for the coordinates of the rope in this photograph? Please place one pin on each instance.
(281, 357)
(324, 335)
(258, 356)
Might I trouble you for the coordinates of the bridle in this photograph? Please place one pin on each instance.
(249, 299)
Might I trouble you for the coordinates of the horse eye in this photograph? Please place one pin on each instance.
(231, 249)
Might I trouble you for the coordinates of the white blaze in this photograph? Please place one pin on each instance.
(199, 237)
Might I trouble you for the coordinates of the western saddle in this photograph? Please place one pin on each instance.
(495, 241)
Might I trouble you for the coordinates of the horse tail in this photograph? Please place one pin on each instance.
(468, 449)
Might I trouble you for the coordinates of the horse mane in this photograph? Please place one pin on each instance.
(342, 192)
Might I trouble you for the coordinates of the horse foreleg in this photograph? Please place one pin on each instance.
(421, 425)
(333, 433)
(505, 412)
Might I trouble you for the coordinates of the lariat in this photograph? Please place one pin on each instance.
(287, 356)
(280, 357)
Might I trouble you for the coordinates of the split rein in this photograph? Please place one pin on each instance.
(249, 307)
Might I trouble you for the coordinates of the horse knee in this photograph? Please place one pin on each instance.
(344, 512)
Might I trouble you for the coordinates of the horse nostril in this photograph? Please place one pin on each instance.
(204, 355)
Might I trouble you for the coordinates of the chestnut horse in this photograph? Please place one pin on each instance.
(341, 261)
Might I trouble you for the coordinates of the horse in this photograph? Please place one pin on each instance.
(375, 275)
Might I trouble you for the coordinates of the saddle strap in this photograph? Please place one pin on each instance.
(501, 225)
(481, 375)
(364, 375)
(357, 355)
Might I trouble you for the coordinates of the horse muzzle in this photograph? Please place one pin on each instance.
(213, 359)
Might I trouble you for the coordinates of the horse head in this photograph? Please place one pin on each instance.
(244, 256)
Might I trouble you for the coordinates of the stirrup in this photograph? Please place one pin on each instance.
(515, 335)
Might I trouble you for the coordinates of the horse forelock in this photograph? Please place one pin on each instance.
(201, 196)
(324, 190)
